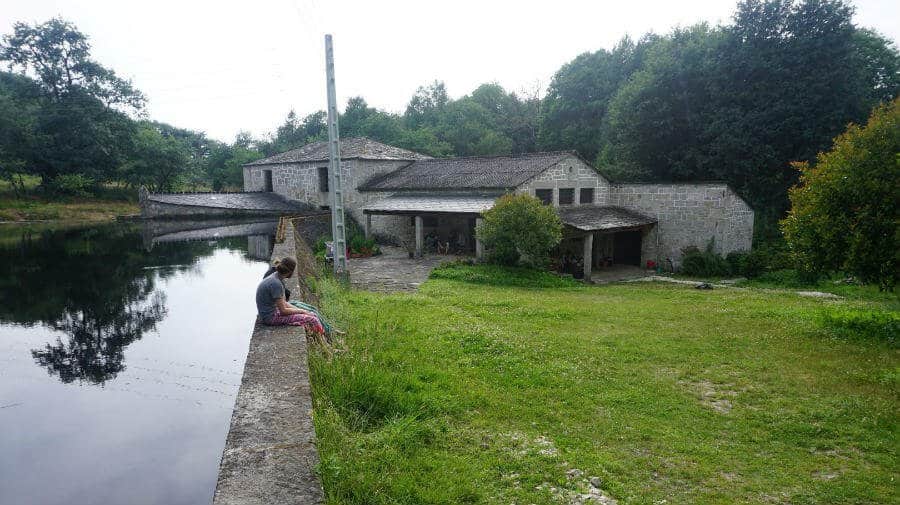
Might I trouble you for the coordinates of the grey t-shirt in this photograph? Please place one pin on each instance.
(269, 290)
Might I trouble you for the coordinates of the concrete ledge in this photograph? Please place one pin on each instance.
(270, 454)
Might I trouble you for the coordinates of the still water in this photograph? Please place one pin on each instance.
(120, 357)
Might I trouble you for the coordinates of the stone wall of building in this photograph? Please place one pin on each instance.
(688, 215)
(569, 173)
(300, 181)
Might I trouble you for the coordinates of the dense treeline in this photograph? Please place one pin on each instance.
(738, 102)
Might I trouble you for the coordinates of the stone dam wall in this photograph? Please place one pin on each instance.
(270, 454)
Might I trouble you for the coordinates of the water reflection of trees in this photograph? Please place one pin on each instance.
(97, 286)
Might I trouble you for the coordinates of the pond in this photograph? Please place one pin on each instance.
(121, 353)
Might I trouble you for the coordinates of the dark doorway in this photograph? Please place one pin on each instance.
(268, 176)
(627, 248)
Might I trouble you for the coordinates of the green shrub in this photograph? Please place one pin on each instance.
(844, 211)
(359, 244)
(863, 325)
(72, 185)
(497, 275)
(319, 247)
(697, 263)
(520, 230)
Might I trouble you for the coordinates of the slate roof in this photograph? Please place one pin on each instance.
(443, 203)
(351, 148)
(237, 201)
(483, 172)
(598, 217)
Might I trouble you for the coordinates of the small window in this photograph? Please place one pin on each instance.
(586, 196)
(544, 195)
(566, 196)
(323, 179)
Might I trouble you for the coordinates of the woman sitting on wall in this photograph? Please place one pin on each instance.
(272, 305)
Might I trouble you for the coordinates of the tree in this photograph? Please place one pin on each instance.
(519, 229)
(295, 133)
(845, 214)
(426, 105)
(59, 55)
(78, 135)
(656, 122)
(579, 94)
(739, 103)
(20, 99)
(159, 160)
(76, 127)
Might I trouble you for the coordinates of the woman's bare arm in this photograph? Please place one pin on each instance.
(286, 309)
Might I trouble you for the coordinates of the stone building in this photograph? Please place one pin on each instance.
(403, 196)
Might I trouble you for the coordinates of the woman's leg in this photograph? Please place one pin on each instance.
(308, 321)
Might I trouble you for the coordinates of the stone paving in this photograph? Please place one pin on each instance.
(393, 270)
(617, 273)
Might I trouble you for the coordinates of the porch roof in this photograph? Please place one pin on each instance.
(431, 204)
(602, 218)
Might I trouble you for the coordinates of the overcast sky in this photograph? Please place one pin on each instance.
(222, 66)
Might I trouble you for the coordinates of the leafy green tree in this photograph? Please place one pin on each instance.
(76, 129)
(739, 103)
(579, 95)
(519, 229)
(79, 135)
(656, 121)
(845, 213)
(159, 160)
(20, 100)
(296, 132)
(59, 55)
(426, 106)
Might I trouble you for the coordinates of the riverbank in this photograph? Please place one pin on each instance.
(33, 208)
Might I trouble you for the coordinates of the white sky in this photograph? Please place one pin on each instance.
(225, 66)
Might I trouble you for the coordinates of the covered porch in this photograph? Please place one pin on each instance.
(445, 222)
(608, 236)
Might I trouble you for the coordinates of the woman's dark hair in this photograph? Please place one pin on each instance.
(285, 266)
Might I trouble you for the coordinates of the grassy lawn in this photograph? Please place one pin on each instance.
(499, 386)
(36, 206)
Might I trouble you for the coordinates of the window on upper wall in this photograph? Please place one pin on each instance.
(323, 179)
(544, 195)
(586, 196)
(566, 196)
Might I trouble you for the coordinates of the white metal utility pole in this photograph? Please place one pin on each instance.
(338, 229)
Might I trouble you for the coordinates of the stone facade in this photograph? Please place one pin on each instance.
(691, 214)
(571, 173)
(687, 214)
(300, 181)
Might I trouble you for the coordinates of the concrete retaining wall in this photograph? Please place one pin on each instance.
(270, 454)
(151, 209)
